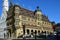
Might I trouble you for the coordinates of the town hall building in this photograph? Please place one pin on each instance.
(21, 21)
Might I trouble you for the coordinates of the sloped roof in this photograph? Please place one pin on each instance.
(30, 13)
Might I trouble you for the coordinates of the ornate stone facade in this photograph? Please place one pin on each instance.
(21, 21)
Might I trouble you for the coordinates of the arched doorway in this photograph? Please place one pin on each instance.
(38, 32)
(23, 29)
(28, 31)
(32, 32)
(35, 32)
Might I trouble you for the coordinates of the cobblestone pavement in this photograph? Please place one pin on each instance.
(23, 39)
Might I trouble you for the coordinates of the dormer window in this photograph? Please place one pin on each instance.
(17, 10)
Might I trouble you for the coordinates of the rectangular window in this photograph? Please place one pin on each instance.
(24, 18)
(28, 19)
(38, 23)
(17, 23)
(35, 20)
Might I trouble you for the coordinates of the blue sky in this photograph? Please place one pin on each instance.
(50, 8)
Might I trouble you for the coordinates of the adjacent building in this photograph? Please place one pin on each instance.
(21, 21)
(53, 25)
(57, 27)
